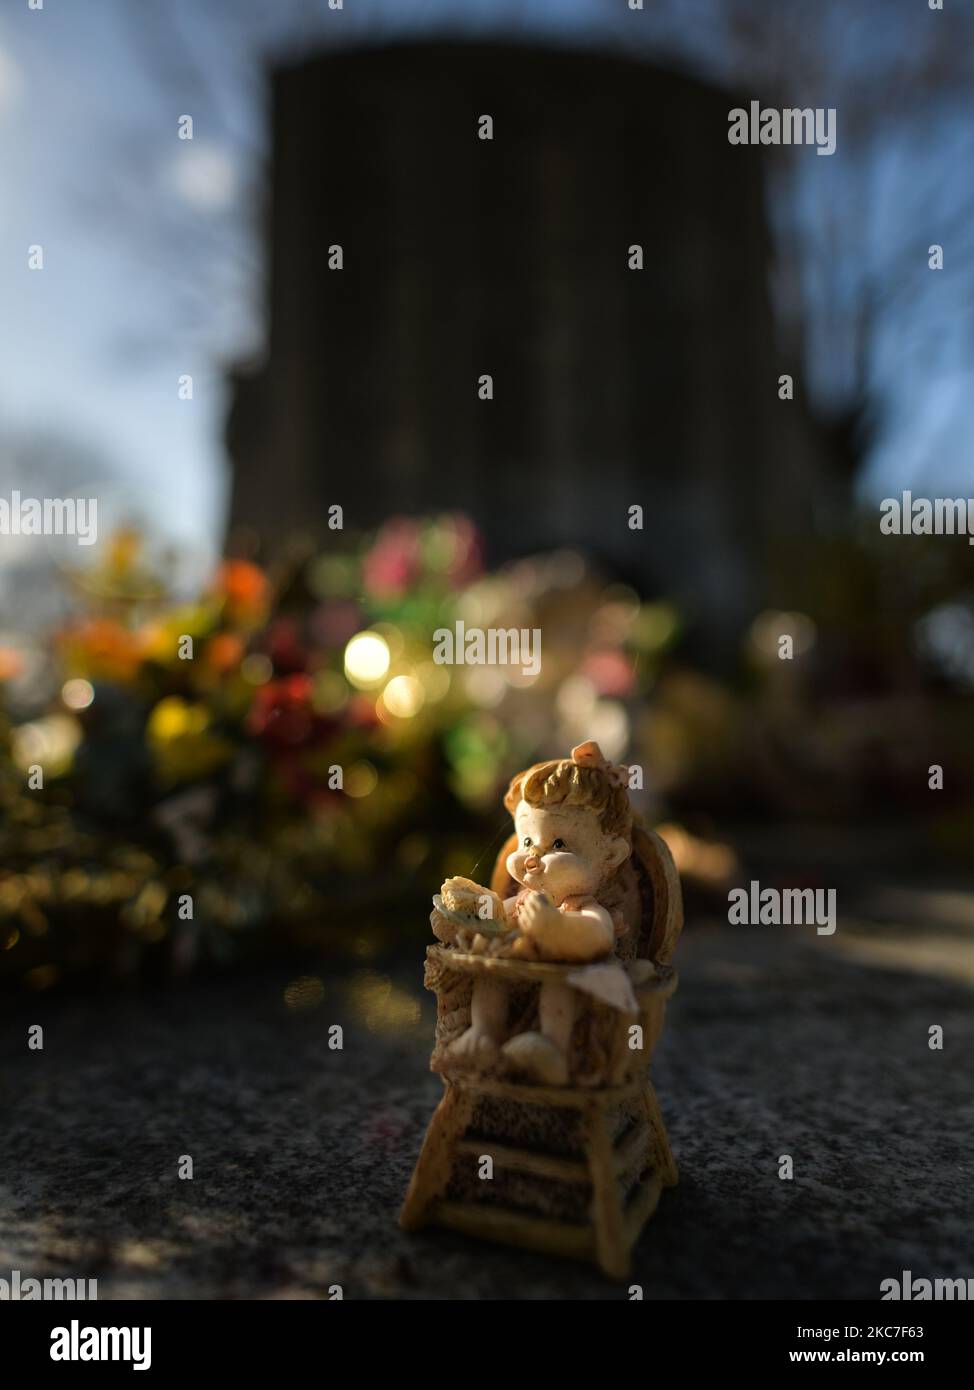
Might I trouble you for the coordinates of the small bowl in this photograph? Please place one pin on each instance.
(487, 926)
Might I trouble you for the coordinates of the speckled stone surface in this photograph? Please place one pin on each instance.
(778, 1042)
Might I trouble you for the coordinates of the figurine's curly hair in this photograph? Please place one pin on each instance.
(563, 782)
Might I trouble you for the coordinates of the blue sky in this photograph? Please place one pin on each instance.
(151, 267)
(67, 85)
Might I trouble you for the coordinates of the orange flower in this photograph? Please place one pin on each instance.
(224, 652)
(101, 647)
(244, 589)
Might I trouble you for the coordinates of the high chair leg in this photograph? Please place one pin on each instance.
(434, 1166)
(669, 1173)
(611, 1245)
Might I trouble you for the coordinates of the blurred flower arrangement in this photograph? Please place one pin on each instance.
(269, 762)
(281, 763)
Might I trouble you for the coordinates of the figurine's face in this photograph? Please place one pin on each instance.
(563, 851)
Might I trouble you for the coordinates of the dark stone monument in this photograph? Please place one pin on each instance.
(511, 257)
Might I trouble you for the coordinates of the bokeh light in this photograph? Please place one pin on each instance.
(404, 696)
(361, 779)
(49, 743)
(78, 693)
(256, 669)
(770, 626)
(367, 659)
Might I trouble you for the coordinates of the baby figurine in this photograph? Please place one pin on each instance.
(574, 831)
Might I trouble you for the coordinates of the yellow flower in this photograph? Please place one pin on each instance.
(174, 718)
(184, 750)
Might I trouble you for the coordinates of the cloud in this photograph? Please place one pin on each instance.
(204, 175)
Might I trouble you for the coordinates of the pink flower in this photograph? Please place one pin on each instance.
(393, 564)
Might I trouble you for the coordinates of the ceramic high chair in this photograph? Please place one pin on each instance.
(573, 1170)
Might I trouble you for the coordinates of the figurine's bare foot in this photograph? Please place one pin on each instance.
(473, 1049)
(538, 1056)
(522, 947)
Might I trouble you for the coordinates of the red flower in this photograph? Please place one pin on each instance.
(282, 713)
(283, 645)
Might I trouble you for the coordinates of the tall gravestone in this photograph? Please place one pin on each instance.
(510, 257)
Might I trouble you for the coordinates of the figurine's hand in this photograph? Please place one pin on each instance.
(539, 919)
